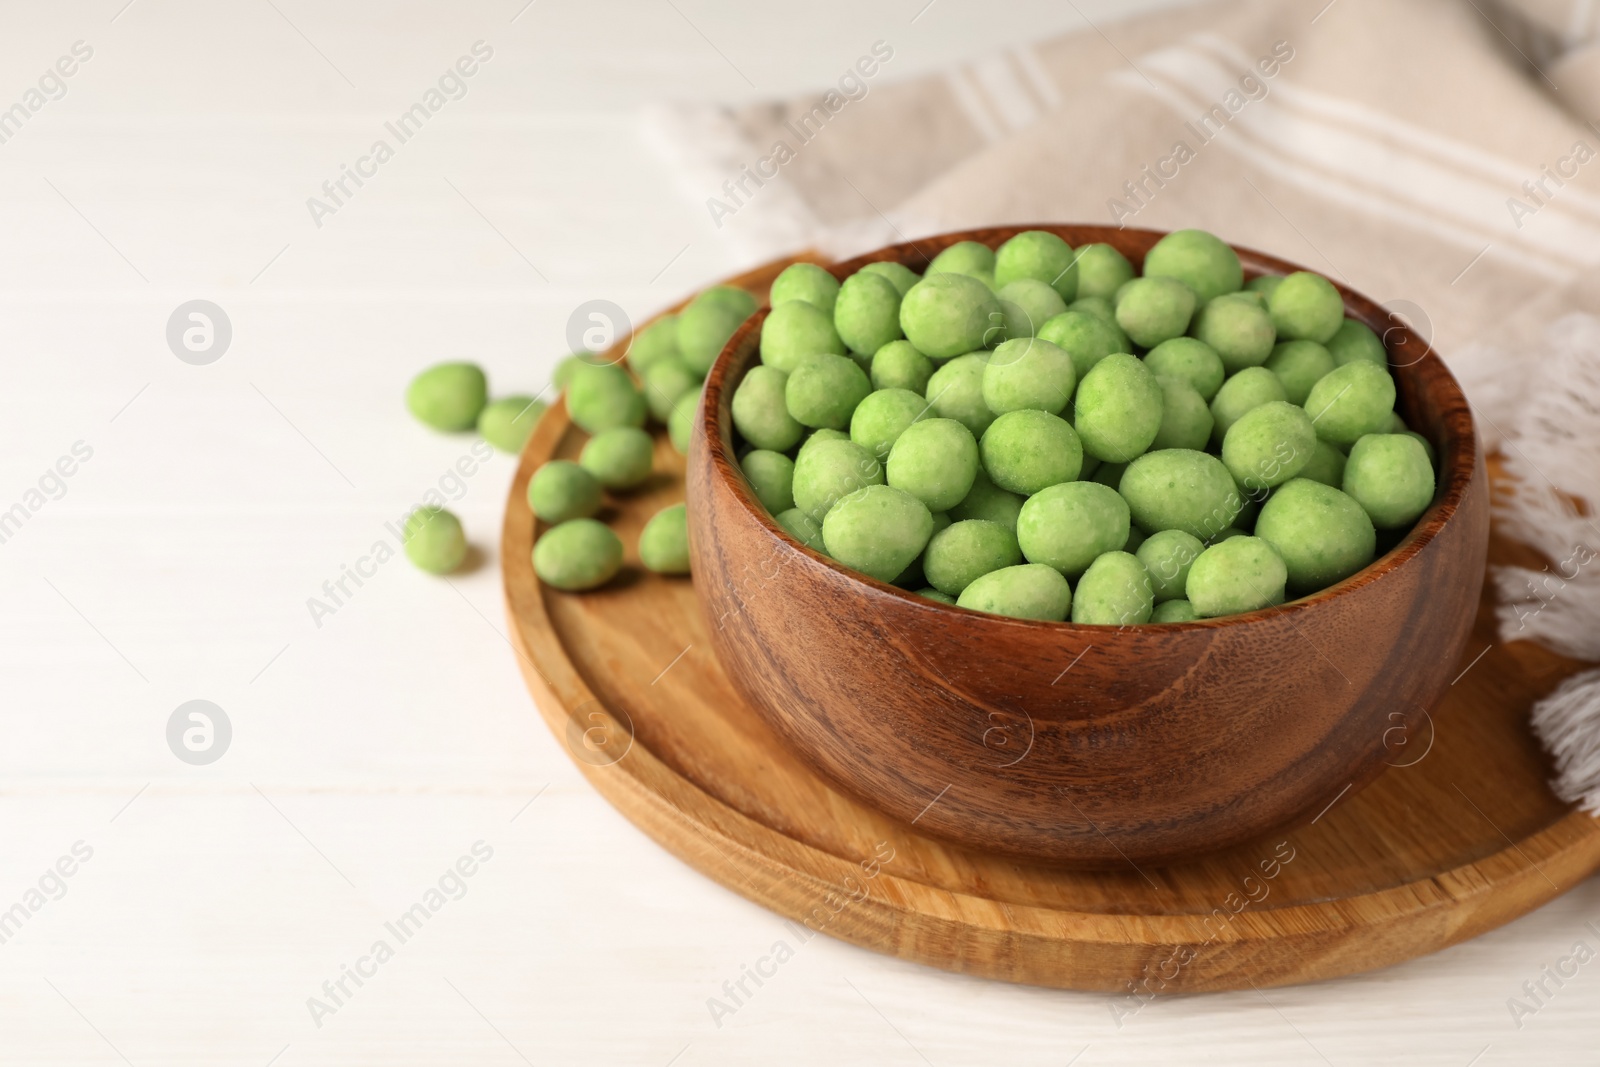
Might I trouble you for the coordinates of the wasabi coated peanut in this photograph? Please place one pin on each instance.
(1186, 421)
(867, 315)
(1086, 338)
(1067, 526)
(1268, 445)
(1153, 309)
(1098, 307)
(1389, 475)
(955, 391)
(1167, 557)
(601, 396)
(931, 593)
(1237, 328)
(664, 541)
(802, 528)
(1179, 489)
(680, 424)
(1174, 611)
(434, 541)
(1355, 340)
(619, 458)
(1250, 388)
(898, 365)
(936, 461)
(1028, 304)
(804, 281)
(1306, 307)
(1118, 408)
(823, 391)
(883, 416)
(900, 276)
(1197, 259)
(1322, 535)
(707, 323)
(655, 342)
(1101, 270)
(985, 500)
(1027, 372)
(795, 330)
(771, 476)
(1350, 402)
(449, 396)
(761, 412)
(577, 555)
(1252, 496)
(507, 423)
(964, 257)
(1234, 576)
(912, 577)
(1108, 474)
(945, 315)
(1264, 284)
(1398, 425)
(1026, 591)
(1299, 365)
(828, 470)
(963, 552)
(1114, 591)
(562, 490)
(1326, 466)
(1427, 445)
(665, 383)
(561, 377)
(1189, 360)
(877, 530)
(817, 437)
(1042, 256)
(1028, 450)
(728, 296)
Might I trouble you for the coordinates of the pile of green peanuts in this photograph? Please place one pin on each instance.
(668, 361)
(1044, 432)
(453, 398)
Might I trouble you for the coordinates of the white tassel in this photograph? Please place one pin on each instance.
(1567, 723)
(1551, 454)
(1562, 614)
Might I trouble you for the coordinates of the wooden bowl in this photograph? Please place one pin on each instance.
(1088, 745)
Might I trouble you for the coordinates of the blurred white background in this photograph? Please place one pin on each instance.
(372, 751)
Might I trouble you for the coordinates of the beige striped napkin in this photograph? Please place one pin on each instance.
(1440, 156)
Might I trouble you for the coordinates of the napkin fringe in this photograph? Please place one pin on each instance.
(1551, 452)
(1567, 723)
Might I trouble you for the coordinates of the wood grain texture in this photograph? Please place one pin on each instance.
(1090, 745)
(1457, 835)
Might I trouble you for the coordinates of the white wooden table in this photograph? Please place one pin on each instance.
(375, 747)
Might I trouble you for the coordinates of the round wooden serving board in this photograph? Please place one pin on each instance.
(1459, 836)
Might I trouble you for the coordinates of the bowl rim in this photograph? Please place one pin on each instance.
(1458, 452)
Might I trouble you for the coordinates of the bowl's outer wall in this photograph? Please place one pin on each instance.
(1088, 745)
